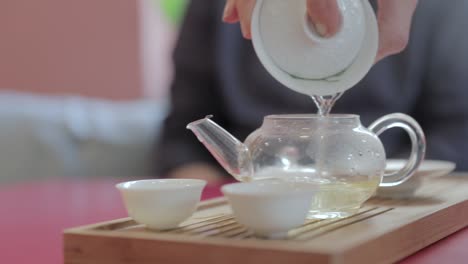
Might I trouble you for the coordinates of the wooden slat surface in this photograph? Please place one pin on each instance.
(383, 231)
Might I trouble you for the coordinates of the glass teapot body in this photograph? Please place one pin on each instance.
(344, 158)
(336, 148)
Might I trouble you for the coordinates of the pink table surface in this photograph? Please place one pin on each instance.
(34, 214)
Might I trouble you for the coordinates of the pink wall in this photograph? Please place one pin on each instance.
(87, 47)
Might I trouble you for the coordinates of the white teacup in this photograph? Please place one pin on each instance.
(161, 204)
(270, 208)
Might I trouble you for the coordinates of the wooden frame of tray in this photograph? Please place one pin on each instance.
(384, 231)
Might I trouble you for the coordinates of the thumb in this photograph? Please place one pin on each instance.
(325, 16)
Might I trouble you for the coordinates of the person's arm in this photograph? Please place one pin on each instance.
(193, 95)
(442, 107)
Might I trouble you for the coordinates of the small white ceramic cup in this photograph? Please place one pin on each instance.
(161, 204)
(270, 208)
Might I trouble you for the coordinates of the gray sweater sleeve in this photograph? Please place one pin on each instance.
(193, 94)
(442, 106)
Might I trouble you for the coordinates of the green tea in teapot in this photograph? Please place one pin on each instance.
(341, 199)
(333, 198)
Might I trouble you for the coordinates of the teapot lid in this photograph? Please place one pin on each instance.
(296, 56)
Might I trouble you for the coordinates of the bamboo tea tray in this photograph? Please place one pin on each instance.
(384, 231)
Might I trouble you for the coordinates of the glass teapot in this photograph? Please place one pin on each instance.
(344, 158)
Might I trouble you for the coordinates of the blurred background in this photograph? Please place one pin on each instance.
(83, 86)
(83, 93)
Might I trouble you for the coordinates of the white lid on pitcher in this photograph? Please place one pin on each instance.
(295, 55)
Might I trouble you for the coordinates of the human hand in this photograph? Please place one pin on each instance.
(394, 20)
(199, 171)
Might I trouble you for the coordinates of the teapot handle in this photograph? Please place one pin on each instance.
(418, 145)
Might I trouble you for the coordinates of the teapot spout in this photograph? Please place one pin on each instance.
(232, 155)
